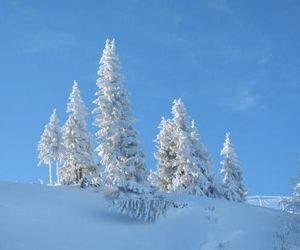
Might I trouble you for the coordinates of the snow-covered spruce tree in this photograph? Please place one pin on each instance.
(118, 145)
(125, 172)
(49, 146)
(209, 185)
(78, 155)
(183, 163)
(234, 188)
(193, 174)
(292, 204)
(166, 155)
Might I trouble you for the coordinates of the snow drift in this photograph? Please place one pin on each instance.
(35, 217)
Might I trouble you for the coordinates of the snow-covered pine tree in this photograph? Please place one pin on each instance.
(183, 163)
(193, 174)
(118, 145)
(209, 184)
(234, 188)
(78, 155)
(49, 145)
(292, 204)
(125, 172)
(165, 155)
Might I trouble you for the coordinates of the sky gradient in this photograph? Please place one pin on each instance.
(235, 64)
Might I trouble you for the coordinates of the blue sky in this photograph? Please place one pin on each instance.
(235, 64)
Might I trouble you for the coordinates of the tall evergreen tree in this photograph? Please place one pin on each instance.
(49, 146)
(234, 188)
(183, 163)
(78, 156)
(118, 145)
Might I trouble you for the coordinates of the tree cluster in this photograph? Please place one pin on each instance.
(70, 146)
(184, 164)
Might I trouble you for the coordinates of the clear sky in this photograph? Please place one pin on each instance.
(235, 64)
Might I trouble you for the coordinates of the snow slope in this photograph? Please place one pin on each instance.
(38, 217)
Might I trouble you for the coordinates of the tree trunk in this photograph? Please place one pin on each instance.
(50, 173)
(57, 174)
(78, 177)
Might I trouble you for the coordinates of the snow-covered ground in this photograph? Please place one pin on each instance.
(38, 217)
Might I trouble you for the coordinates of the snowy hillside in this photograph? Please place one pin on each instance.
(35, 217)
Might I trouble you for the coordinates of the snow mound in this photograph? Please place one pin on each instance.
(35, 217)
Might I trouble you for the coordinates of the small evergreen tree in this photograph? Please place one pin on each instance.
(78, 156)
(183, 163)
(49, 146)
(292, 204)
(165, 155)
(234, 188)
(209, 186)
(118, 145)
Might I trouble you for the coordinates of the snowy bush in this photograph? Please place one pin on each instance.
(92, 181)
(146, 207)
(291, 205)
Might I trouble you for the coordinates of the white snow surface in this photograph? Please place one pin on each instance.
(35, 217)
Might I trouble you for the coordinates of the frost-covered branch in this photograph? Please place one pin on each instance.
(145, 207)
